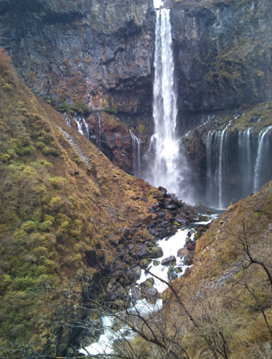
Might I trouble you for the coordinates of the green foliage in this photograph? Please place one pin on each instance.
(28, 226)
(111, 110)
(44, 226)
(50, 151)
(81, 108)
(58, 182)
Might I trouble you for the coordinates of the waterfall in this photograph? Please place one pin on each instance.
(261, 145)
(136, 154)
(217, 162)
(67, 119)
(164, 168)
(245, 151)
(209, 153)
(99, 129)
(221, 163)
(82, 126)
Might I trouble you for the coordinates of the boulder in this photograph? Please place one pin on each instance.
(188, 259)
(182, 251)
(168, 260)
(136, 293)
(172, 274)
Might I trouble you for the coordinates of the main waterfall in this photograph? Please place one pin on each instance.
(164, 144)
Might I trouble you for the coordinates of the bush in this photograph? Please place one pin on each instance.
(44, 226)
(28, 226)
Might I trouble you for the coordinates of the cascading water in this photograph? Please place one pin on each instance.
(99, 129)
(82, 126)
(235, 164)
(245, 152)
(216, 142)
(164, 144)
(67, 119)
(136, 154)
(262, 144)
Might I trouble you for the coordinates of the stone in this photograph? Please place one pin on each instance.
(136, 293)
(188, 259)
(182, 251)
(168, 260)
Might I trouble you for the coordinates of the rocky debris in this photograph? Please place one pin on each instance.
(201, 208)
(171, 213)
(148, 291)
(182, 251)
(136, 293)
(189, 258)
(168, 261)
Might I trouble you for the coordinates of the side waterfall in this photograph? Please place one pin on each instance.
(136, 154)
(99, 129)
(235, 165)
(82, 126)
(164, 144)
(262, 143)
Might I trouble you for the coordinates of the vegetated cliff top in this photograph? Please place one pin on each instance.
(228, 290)
(60, 208)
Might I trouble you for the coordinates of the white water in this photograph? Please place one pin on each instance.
(99, 128)
(244, 145)
(105, 344)
(220, 171)
(67, 119)
(170, 247)
(165, 145)
(82, 126)
(261, 143)
(136, 154)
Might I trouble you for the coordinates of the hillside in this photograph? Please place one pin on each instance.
(228, 289)
(64, 207)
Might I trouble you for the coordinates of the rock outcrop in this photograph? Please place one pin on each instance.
(222, 55)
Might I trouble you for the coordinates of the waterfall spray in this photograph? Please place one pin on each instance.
(165, 167)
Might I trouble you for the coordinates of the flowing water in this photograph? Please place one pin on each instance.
(170, 246)
(262, 144)
(82, 126)
(164, 143)
(237, 165)
(99, 129)
(136, 154)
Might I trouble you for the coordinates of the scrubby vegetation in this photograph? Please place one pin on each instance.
(54, 209)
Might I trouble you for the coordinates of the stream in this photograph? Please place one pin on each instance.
(170, 247)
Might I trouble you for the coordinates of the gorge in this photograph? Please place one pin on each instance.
(124, 97)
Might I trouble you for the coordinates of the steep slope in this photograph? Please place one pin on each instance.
(228, 289)
(64, 207)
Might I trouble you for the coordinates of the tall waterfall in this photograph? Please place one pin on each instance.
(164, 143)
(136, 154)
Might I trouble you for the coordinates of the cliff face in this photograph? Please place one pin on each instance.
(96, 52)
(223, 55)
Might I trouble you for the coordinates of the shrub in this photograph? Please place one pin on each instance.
(28, 226)
(44, 226)
(55, 203)
(58, 182)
